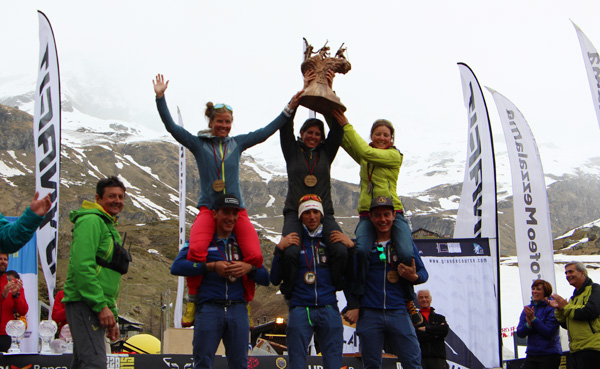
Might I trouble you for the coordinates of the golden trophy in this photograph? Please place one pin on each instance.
(318, 95)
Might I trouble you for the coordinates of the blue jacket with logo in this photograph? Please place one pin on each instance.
(215, 287)
(320, 293)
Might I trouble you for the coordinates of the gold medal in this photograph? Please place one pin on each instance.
(310, 180)
(393, 276)
(218, 185)
(310, 278)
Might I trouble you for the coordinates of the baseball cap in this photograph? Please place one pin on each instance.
(380, 202)
(310, 202)
(227, 201)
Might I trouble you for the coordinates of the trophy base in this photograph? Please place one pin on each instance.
(321, 104)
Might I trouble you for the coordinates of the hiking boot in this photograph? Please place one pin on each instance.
(188, 318)
(415, 316)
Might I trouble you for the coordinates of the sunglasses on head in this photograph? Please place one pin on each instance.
(381, 249)
(309, 197)
(223, 106)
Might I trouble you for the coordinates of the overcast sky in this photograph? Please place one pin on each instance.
(248, 54)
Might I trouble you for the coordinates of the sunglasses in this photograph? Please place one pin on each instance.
(223, 106)
(381, 249)
(309, 197)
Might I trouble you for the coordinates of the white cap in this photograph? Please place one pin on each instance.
(310, 204)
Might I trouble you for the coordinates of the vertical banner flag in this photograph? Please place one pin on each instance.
(533, 231)
(477, 213)
(46, 137)
(591, 59)
(25, 263)
(180, 280)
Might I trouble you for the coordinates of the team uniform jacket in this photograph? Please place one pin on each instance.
(205, 147)
(322, 292)
(382, 164)
(299, 162)
(215, 287)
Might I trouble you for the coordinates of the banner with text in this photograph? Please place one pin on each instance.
(591, 59)
(533, 230)
(46, 136)
(462, 286)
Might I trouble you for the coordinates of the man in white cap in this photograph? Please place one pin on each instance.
(312, 302)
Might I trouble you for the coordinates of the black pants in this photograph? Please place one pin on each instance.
(586, 359)
(433, 363)
(541, 362)
(5, 342)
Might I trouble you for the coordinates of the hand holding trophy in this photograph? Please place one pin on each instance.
(318, 95)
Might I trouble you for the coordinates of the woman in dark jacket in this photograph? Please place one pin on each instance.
(539, 325)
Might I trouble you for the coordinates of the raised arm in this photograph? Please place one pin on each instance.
(179, 133)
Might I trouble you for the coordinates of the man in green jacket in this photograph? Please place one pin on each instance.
(580, 316)
(91, 290)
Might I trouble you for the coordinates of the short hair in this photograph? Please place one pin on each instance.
(545, 285)
(424, 290)
(112, 181)
(578, 266)
(13, 273)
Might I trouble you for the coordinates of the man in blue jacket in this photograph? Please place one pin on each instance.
(381, 313)
(312, 303)
(221, 311)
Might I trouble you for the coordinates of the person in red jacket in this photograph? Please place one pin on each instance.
(12, 299)
(58, 311)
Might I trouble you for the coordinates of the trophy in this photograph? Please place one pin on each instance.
(47, 329)
(15, 329)
(65, 333)
(318, 95)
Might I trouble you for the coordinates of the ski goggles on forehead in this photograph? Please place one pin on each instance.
(309, 197)
(381, 249)
(223, 106)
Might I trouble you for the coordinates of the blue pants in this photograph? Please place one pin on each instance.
(365, 239)
(215, 322)
(326, 323)
(376, 326)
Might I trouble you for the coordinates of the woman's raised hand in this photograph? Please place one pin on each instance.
(339, 115)
(160, 86)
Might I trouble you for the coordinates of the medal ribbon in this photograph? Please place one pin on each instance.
(223, 152)
(228, 256)
(311, 170)
(313, 256)
(370, 175)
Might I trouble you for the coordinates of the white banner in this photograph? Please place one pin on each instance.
(46, 136)
(533, 230)
(180, 280)
(591, 59)
(477, 213)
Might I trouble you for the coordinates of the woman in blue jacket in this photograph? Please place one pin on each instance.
(539, 325)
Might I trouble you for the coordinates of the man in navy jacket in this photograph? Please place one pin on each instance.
(312, 303)
(381, 313)
(221, 311)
